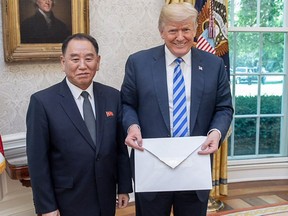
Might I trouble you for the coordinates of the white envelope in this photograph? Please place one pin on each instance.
(172, 164)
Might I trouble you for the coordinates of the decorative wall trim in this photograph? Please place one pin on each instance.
(12, 144)
(238, 170)
(258, 169)
(13, 141)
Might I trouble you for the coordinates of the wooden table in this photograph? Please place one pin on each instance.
(17, 168)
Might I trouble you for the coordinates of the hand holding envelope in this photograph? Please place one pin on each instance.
(172, 164)
(134, 137)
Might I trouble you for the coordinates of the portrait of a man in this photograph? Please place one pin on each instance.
(44, 24)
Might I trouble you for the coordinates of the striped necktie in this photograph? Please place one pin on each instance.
(180, 121)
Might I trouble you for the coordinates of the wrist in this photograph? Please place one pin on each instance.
(215, 129)
(133, 126)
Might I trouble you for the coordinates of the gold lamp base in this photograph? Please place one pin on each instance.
(214, 205)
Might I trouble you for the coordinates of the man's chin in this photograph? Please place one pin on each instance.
(179, 52)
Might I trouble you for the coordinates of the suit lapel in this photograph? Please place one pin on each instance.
(160, 84)
(100, 104)
(197, 86)
(70, 108)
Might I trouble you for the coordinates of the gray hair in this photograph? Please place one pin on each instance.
(177, 12)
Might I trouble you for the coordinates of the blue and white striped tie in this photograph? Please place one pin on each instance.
(180, 121)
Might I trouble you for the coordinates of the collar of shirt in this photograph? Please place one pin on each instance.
(76, 91)
(170, 58)
(46, 16)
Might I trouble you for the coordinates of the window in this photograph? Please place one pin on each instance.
(258, 44)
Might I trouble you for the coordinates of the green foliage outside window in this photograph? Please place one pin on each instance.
(245, 127)
(257, 49)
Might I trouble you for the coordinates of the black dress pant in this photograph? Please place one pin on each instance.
(182, 203)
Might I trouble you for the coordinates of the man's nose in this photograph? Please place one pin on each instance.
(180, 35)
(82, 63)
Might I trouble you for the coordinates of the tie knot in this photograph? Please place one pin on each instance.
(179, 60)
(85, 94)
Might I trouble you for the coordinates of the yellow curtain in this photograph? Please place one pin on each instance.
(219, 173)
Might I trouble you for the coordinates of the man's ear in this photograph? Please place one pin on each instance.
(161, 34)
(98, 62)
(62, 61)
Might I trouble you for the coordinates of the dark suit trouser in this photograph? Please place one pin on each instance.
(184, 203)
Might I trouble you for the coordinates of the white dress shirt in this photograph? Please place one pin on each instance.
(76, 92)
(186, 67)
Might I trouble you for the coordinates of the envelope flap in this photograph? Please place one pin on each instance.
(176, 150)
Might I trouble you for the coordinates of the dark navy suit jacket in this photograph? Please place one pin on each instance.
(145, 96)
(67, 171)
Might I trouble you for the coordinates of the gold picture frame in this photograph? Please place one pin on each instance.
(15, 51)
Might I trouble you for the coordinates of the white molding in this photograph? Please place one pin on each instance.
(258, 169)
(12, 141)
(258, 161)
(238, 170)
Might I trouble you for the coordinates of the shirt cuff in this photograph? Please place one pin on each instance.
(215, 129)
(133, 125)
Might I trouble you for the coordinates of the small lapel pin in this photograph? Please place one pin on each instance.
(200, 68)
(109, 113)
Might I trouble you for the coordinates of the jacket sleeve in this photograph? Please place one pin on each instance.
(223, 104)
(124, 170)
(37, 142)
(129, 96)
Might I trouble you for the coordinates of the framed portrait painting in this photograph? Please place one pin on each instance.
(35, 29)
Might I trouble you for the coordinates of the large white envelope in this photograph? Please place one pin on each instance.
(172, 164)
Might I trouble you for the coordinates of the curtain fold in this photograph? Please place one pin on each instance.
(220, 169)
(219, 173)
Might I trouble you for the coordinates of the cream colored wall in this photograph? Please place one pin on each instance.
(121, 27)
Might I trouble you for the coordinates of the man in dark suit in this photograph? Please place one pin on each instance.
(74, 172)
(148, 109)
(43, 26)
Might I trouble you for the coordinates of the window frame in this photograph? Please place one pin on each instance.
(284, 114)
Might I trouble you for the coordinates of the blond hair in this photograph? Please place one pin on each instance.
(177, 12)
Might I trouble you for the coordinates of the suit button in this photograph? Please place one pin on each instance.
(98, 158)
